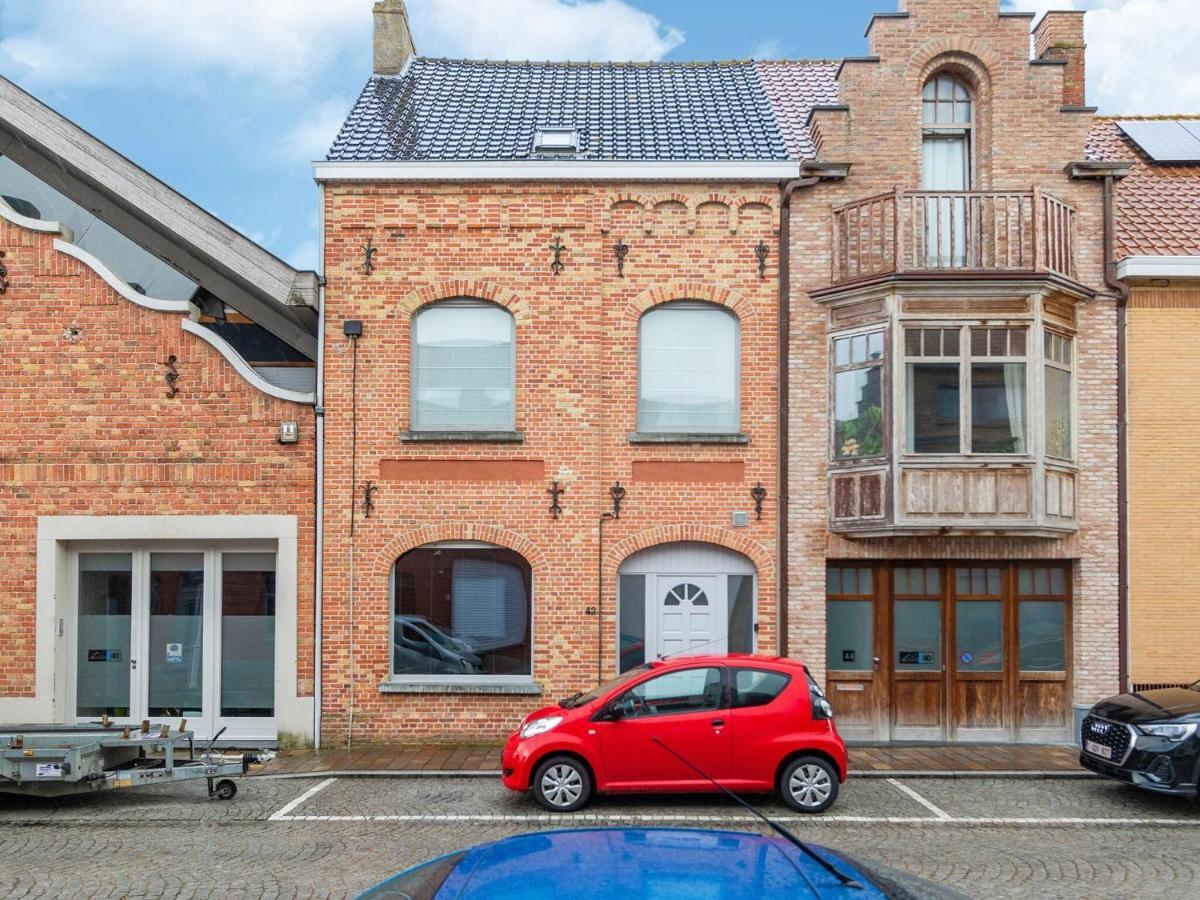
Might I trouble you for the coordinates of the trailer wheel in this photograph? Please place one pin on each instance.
(225, 790)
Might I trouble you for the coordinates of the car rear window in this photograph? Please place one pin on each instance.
(757, 687)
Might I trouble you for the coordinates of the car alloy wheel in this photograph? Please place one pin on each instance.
(561, 785)
(809, 785)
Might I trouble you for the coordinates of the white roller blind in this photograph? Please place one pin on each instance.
(688, 382)
(463, 368)
(490, 608)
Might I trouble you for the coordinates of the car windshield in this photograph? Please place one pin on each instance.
(601, 689)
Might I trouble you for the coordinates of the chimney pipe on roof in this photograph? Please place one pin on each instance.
(1059, 35)
(393, 39)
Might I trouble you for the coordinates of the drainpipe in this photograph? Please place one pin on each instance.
(1122, 291)
(782, 413)
(319, 548)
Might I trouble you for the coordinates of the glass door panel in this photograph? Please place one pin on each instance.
(247, 634)
(918, 676)
(175, 652)
(105, 635)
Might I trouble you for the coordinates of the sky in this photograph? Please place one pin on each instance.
(229, 101)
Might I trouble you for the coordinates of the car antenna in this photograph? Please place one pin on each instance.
(690, 649)
(844, 879)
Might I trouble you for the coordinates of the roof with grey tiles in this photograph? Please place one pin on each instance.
(464, 110)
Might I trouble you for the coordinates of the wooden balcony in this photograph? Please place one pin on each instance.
(928, 232)
(917, 497)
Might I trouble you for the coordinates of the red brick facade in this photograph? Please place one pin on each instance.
(89, 431)
(576, 399)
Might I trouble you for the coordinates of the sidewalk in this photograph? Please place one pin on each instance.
(865, 760)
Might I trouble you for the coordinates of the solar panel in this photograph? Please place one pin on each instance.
(1164, 141)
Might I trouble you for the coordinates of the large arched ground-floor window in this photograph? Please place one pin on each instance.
(462, 610)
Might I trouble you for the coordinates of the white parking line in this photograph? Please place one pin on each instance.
(939, 818)
(615, 818)
(281, 815)
(936, 810)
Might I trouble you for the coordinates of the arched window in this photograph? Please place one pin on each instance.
(463, 368)
(462, 610)
(947, 119)
(688, 370)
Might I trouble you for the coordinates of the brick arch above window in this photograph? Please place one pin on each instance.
(739, 305)
(461, 531)
(704, 534)
(966, 57)
(463, 289)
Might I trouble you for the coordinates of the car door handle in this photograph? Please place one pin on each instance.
(718, 723)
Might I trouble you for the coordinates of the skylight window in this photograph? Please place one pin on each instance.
(556, 140)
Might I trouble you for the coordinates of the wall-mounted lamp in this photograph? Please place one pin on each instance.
(289, 432)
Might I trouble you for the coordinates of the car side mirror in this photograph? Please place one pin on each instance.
(613, 712)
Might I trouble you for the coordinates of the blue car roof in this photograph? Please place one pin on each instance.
(663, 863)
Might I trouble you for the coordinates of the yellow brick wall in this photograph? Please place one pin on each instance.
(1164, 483)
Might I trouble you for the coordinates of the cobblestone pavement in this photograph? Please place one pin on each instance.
(985, 837)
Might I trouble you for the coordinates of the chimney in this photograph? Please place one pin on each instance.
(1060, 36)
(393, 38)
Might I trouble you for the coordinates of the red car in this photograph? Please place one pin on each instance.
(753, 723)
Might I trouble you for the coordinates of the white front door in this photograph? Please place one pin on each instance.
(691, 615)
(173, 634)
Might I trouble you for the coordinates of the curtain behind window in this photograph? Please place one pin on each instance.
(688, 379)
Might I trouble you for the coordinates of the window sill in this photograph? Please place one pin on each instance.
(473, 437)
(460, 687)
(671, 437)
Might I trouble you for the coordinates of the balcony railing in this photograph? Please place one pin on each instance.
(1021, 232)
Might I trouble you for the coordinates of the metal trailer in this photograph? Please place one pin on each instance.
(61, 760)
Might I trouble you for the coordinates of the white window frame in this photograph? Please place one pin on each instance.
(510, 424)
(737, 364)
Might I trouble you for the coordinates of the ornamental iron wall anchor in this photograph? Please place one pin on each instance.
(369, 251)
(620, 251)
(555, 491)
(3, 275)
(618, 494)
(761, 252)
(172, 375)
(558, 247)
(759, 493)
(369, 490)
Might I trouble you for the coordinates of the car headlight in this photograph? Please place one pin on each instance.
(540, 726)
(1170, 732)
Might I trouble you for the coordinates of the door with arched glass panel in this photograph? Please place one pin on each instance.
(947, 122)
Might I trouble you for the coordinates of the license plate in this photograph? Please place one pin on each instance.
(1097, 749)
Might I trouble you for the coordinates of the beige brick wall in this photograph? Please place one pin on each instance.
(1164, 483)
(1023, 140)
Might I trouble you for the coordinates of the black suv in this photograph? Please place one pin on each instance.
(1148, 739)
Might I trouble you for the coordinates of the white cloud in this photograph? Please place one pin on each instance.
(314, 132)
(767, 49)
(540, 29)
(1141, 53)
(82, 42)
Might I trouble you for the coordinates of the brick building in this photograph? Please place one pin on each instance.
(565, 407)
(953, 344)
(1157, 255)
(157, 530)
(566, 277)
